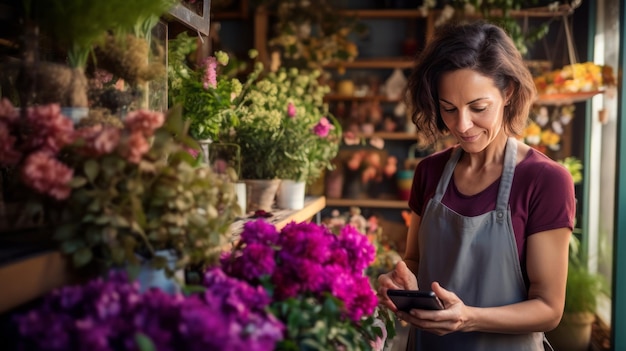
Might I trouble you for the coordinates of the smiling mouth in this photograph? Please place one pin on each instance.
(469, 138)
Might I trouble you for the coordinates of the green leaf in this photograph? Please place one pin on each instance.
(71, 246)
(91, 168)
(65, 231)
(77, 182)
(82, 257)
(144, 343)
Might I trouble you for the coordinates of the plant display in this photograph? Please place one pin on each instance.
(115, 195)
(316, 280)
(112, 314)
(498, 12)
(311, 35)
(545, 127)
(576, 78)
(284, 122)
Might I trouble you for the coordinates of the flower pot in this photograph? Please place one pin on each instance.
(240, 192)
(204, 148)
(75, 113)
(150, 277)
(290, 195)
(261, 194)
(573, 333)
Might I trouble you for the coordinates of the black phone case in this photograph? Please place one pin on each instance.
(406, 300)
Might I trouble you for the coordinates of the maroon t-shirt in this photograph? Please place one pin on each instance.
(542, 195)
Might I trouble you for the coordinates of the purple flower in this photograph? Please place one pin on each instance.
(291, 110)
(109, 314)
(323, 127)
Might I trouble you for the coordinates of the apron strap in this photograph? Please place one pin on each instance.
(506, 180)
(448, 171)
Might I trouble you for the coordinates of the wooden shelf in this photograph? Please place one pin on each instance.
(29, 278)
(342, 97)
(378, 63)
(390, 136)
(280, 218)
(370, 203)
(383, 14)
(190, 19)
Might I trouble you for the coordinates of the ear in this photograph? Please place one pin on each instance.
(508, 93)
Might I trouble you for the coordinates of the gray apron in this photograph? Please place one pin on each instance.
(477, 259)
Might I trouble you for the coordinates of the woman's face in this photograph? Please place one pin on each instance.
(472, 108)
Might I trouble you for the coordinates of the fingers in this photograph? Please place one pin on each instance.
(404, 277)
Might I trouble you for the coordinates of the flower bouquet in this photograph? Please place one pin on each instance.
(316, 281)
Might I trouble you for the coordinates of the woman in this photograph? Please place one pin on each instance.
(491, 217)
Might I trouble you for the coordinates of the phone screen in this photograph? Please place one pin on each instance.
(406, 300)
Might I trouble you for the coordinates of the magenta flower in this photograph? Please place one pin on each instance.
(306, 259)
(323, 127)
(291, 110)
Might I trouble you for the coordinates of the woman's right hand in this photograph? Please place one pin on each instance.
(400, 278)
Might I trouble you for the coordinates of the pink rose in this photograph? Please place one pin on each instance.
(47, 175)
(135, 147)
(291, 110)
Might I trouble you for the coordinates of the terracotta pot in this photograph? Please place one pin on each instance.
(261, 193)
(573, 333)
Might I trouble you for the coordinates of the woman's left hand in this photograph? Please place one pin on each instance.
(452, 318)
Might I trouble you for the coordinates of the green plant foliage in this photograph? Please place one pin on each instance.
(584, 287)
(79, 24)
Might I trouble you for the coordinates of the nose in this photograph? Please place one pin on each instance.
(464, 121)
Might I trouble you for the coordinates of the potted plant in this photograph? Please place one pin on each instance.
(583, 291)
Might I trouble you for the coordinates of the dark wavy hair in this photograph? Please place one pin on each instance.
(479, 46)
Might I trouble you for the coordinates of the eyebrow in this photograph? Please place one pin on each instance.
(469, 103)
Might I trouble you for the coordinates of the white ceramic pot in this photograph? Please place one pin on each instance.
(290, 195)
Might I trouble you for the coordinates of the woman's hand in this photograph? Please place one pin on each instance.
(400, 278)
(454, 316)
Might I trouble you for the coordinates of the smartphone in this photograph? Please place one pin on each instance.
(406, 300)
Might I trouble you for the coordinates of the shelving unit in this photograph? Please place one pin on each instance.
(369, 203)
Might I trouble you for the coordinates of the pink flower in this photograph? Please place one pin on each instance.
(291, 110)
(99, 140)
(193, 152)
(323, 127)
(7, 111)
(135, 147)
(47, 175)
(9, 156)
(48, 129)
(144, 121)
(210, 73)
